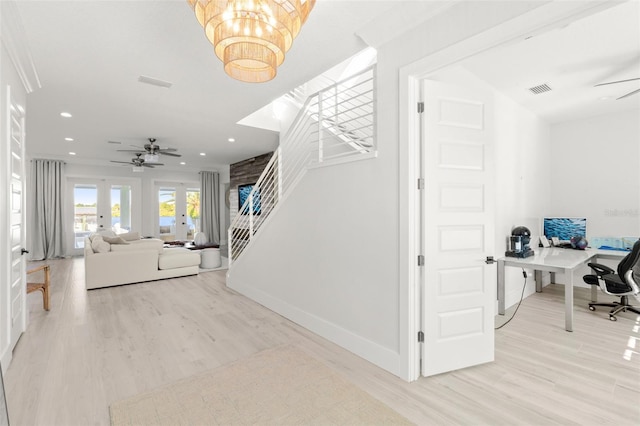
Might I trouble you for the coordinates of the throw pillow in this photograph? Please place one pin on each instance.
(130, 236)
(107, 233)
(99, 245)
(115, 240)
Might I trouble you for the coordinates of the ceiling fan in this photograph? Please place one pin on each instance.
(622, 81)
(138, 163)
(152, 149)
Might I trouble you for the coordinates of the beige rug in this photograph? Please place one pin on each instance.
(280, 386)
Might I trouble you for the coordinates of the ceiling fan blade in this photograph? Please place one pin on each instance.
(121, 162)
(167, 149)
(170, 154)
(628, 94)
(616, 82)
(139, 151)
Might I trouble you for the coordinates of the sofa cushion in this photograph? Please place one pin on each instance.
(178, 259)
(114, 240)
(107, 233)
(136, 245)
(99, 245)
(130, 236)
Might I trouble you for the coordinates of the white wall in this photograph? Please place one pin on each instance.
(148, 180)
(595, 170)
(596, 173)
(329, 258)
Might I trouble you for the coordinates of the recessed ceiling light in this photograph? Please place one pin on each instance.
(72, 153)
(65, 115)
(68, 139)
(203, 154)
(182, 163)
(231, 140)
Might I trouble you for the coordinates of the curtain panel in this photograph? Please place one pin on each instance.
(210, 205)
(47, 209)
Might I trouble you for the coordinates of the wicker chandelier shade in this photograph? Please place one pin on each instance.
(251, 37)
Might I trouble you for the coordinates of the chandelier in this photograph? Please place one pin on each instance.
(251, 37)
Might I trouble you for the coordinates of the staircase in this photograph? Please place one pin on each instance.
(335, 125)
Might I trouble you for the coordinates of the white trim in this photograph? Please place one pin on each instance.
(14, 40)
(537, 21)
(371, 351)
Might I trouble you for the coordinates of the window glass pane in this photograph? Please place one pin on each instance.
(167, 210)
(85, 205)
(193, 212)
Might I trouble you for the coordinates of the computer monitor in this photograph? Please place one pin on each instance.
(564, 228)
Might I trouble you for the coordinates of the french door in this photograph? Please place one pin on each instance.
(178, 213)
(100, 204)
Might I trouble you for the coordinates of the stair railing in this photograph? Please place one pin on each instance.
(334, 125)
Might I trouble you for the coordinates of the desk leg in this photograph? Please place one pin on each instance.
(501, 291)
(568, 303)
(538, 276)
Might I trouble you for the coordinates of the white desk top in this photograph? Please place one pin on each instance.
(562, 258)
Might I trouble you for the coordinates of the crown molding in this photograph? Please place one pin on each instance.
(14, 40)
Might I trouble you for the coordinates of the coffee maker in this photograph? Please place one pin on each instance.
(519, 243)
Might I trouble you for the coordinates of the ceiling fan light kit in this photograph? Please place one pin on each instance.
(251, 37)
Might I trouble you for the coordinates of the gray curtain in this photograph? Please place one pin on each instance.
(47, 216)
(210, 205)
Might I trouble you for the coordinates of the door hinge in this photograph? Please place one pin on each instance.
(420, 260)
(420, 337)
(420, 107)
(420, 183)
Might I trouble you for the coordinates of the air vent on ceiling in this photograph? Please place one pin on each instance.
(114, 142)
(154, 81)
(540, 89)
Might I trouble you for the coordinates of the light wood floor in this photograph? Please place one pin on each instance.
(101, 346)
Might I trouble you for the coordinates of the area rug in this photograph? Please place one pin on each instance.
(279, 386)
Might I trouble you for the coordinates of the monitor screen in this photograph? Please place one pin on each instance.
(564, 227)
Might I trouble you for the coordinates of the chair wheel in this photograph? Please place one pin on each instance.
(613, 318)
(592, 308)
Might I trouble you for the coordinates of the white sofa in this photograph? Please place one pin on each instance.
(136, 260)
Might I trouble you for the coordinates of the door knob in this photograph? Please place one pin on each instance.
(490, 260)
(23, 252)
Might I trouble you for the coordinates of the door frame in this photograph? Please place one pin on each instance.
(537, 21)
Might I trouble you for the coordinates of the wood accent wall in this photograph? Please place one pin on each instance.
(244, 172)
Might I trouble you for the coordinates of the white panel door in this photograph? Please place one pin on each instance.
(17, 275)
(459, 288)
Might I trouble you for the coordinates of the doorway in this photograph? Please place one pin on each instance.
(178, 211)
(98, 205)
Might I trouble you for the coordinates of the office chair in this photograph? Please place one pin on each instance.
(623, 284)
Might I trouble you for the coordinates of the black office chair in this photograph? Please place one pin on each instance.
(623, 284)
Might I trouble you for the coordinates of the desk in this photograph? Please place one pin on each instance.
(555, 260)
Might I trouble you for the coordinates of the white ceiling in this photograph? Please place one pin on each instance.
(90, 54)
(571, 60)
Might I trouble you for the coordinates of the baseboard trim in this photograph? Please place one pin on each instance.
(364, 348)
